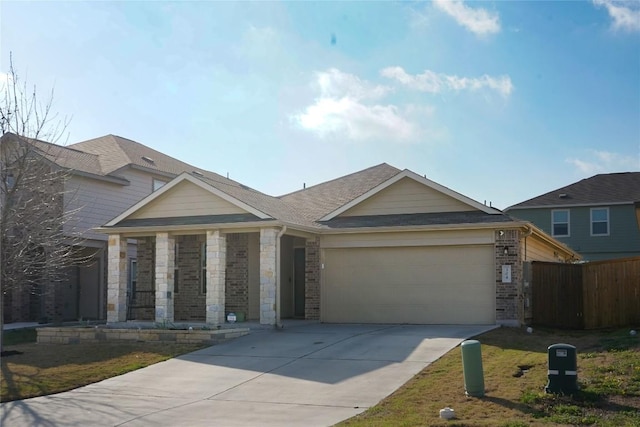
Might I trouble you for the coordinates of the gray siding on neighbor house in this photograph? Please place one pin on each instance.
(623, 239)
(98, 201)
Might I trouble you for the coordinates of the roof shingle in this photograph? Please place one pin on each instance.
(109, 154)
(607, 188)
(322, 199)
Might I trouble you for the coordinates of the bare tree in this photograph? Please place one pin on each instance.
(35, 247)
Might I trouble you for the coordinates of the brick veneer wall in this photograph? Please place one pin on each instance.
(508, 295)
(237, 274)
(145, 280)
(312, 279)
(189, 301)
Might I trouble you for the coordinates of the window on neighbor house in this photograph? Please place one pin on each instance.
(600, 221)
(203, 268)
(560, 223)
(158, 184)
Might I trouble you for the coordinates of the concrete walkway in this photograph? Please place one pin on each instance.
(306, 374)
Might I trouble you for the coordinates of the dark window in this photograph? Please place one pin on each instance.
(600, 221)
(560, 223)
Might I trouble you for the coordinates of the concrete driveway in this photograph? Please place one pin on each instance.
(307, 374)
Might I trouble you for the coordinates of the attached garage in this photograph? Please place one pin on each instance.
(416, 285)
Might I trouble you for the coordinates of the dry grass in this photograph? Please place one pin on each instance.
(514, 362)
(515, 373)
(42, 369)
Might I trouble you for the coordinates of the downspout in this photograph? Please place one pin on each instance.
(278, 324)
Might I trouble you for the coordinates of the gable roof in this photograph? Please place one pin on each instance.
(317, 207)
(411, 175)
(610, 188)
(196, 181)
(322, 199)
(302, 208)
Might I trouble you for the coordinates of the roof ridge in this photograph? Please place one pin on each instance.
(117, 142)
(41, 141)
(338, 179)
(120, 139)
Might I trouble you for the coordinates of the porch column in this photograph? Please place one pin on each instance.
(117, 279)
(216, 264)
(268, 270)
(165, 266)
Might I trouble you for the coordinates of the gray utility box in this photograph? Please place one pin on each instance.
(563, 369)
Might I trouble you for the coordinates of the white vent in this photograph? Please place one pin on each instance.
(147, 159)
(198, 173)
(563, 195)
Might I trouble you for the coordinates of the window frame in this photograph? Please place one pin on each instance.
(592, 222)
(553, 223)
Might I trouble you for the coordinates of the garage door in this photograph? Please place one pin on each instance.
(419, 285)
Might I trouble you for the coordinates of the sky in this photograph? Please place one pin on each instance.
(500, 101)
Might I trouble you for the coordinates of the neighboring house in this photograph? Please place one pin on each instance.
(382, 245)
(106, 176)
(597, 217)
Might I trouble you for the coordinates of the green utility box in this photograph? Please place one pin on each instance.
(563, 369)
(472, 368)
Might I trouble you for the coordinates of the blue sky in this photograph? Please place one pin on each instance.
(500, 101)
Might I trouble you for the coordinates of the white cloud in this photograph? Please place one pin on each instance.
(334, 83)
(625, 14)
(604, 162)
(479, 21)
(432, 82)
(346, 108)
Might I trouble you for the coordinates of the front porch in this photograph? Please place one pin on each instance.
(263, 275)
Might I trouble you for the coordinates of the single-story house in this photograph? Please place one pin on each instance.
(381, 245)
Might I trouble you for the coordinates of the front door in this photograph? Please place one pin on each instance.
(298, 281)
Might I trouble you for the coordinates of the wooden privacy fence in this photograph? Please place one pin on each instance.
(597, 294)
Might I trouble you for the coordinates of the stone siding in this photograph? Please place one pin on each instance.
(96, 334)
(117, 279)
(216, 272)
(268, 270)
(165, 270)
